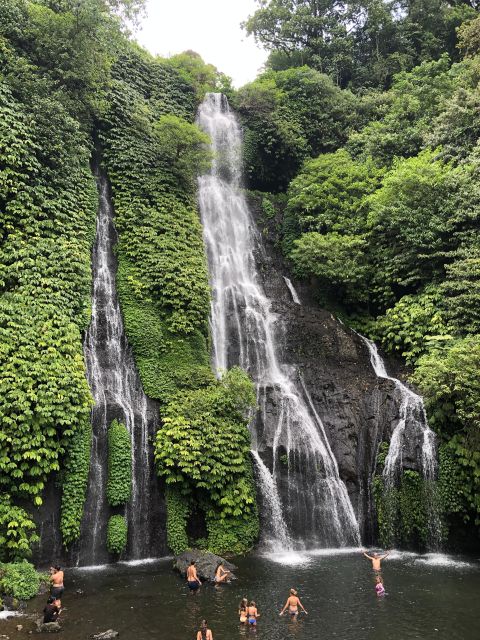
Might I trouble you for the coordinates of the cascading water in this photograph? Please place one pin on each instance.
(118, 394)
(292, 290)
(302, 492)
(412, 417)
(412, 414)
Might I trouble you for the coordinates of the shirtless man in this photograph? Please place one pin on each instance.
(193, 580)
(293, 602)
(56, 578)
(376, 560)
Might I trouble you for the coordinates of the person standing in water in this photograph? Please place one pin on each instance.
(252, 614)
(292, 603)
(376, 560)
(193, 580)
(204, 633)
(56, 578)
(379, 588)
(242, 610)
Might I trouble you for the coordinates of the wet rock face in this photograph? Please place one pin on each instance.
(358, 410)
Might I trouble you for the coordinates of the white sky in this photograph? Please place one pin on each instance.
(209, 27)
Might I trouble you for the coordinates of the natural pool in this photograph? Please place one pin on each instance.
(430, 596)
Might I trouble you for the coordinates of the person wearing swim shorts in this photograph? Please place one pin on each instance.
(292, 604)
(252, 614)
(193, 580)
(56, 578)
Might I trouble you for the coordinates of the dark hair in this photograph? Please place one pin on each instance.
(243, 603)
(51, 599)
(252, 603)
(192, 562)
(57, 567)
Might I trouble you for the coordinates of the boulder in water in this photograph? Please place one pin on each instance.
(206, 564)
(106, 635)
(48, 627)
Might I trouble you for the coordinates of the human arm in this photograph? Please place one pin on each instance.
(385, 555)
(367, 556)
(303, 608)
(285, 607)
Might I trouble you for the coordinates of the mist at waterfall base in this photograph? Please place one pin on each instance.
(429, 597)
(302, 496)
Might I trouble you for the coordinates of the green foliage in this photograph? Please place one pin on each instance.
(75, 481)
(330, 193)
(117, 533)
(402, 511)
(461, 292)
(336, 260)
(453, 480)
(48, 203)
(178, 510)
(119, 484)
(289, 116)
(412, 325)
(17, 532)
(407, 219)
(204, 77)
(202, 449)
(19, 579)
(183, 147)
(361, 43)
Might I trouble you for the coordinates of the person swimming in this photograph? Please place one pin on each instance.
(242, 610)
(376, 560)
(292, 603)
(379, 588)
(252, 613)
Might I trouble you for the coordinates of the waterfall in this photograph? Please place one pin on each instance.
(301, 491)
(292, 290)
(118, 394)
(412, 413)
(412, 416)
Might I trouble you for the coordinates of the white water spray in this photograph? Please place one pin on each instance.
(303, 493)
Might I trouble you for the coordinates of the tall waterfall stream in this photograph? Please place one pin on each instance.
(118, 394)
(301, 489)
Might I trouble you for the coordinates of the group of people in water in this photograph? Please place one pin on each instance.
(247, 610)
(53, 607)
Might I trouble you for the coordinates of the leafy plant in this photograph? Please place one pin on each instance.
(119, 484)
(17, 531)
(19, 579)
(117, 533)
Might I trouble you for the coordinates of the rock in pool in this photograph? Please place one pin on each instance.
(48, 627)
(206, 564)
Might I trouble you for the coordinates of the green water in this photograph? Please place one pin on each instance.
(428, 597)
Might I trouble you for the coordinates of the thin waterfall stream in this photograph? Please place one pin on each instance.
(118, 394)
(297, 473)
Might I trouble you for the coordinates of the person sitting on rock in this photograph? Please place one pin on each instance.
(51, 610)
(193, 580)
(204, 633)
(221, 574)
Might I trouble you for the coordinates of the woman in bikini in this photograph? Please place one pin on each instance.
(292, 603)
(242, 610)
(252, 614)
(204, 633)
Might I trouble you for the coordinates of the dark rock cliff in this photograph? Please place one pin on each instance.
(358, 410)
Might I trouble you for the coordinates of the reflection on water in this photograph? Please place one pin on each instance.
(430, 596)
